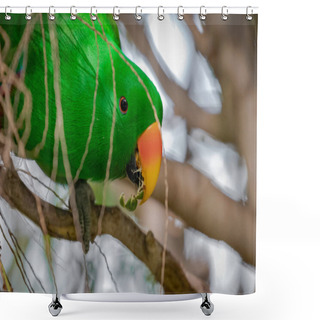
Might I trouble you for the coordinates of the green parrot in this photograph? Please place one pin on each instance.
(78, 66)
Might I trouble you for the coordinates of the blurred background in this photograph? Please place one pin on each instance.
(205, 73)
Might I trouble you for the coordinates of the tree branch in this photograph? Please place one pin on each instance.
(203, 207)
(60, 225)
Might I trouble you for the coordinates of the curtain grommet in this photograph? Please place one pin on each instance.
(160, 15)
(180, 13)
(51, 15)
(203, 13)
(224, 13)
(116, 15)
(28, 13)
(6, 15)
(93, 16)
(248, 14)
(73, 15)
(137, 15)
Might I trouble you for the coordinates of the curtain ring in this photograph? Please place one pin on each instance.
(224, 13)
(51, 15)
(180, 13)
(160, 16)
(28, 13)
(137, 16)
(248, 15)
(116, 16)
(93, 16)
(6, 9)
(203, 13)
(73, 15)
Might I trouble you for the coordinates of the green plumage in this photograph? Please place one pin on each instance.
(79, 51)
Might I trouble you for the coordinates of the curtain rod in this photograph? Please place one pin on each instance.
(131, 10)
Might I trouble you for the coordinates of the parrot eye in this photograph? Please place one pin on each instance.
(123, 105)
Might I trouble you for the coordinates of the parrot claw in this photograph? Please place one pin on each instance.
(84, 200)
(132, 202)
(140, 194)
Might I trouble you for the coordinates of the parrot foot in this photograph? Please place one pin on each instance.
(84, 199)
(132, 202)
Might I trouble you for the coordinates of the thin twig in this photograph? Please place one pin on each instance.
(60, 133)
(16, 243)
(43, 184)
(107, 264)
(105, 182)
(20, 267)
(93, 112)
(46, 121)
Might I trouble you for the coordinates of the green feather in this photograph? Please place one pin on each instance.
(78, 54)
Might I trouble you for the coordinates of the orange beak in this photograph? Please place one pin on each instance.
(149, 158)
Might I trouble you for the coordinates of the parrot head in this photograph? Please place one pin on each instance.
(137, 128)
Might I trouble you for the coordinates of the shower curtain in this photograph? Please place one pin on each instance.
(128, 153)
